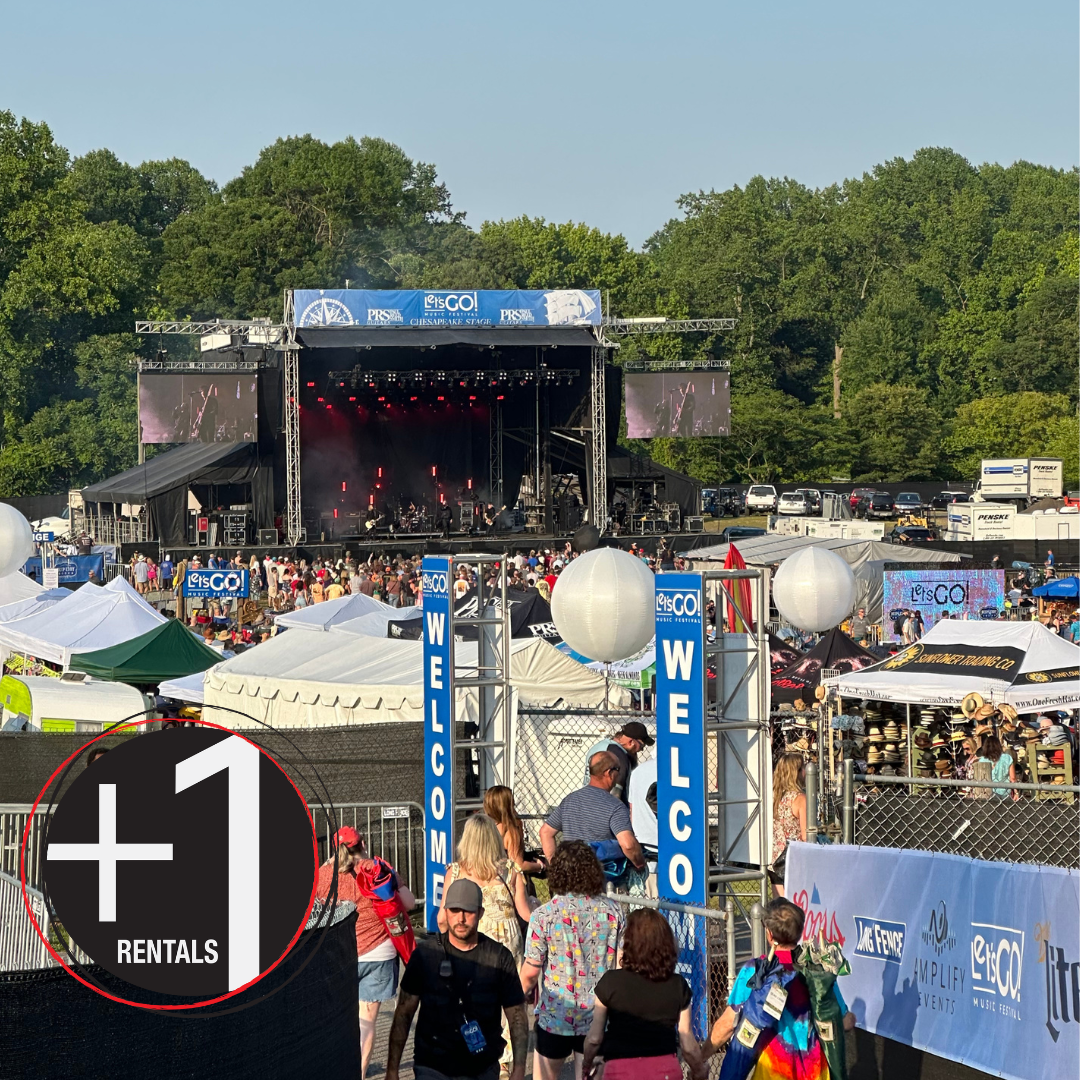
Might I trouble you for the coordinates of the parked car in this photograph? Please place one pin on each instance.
(741, 532)
(943, 498)
(793, 503)
(761, 498)
(857, 494)
(908, 502)
(879, 506)
(911, 534)
(813, 499)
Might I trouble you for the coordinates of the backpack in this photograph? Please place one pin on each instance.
(755, 1027)
(380, 887)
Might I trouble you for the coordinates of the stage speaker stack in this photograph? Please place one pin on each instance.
(695, 524)
(267, 537)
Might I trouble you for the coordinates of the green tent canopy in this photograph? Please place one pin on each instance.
(169, 651)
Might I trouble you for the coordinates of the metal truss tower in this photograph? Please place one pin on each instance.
(598, 514)
(495, 456)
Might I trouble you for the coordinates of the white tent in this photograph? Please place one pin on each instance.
(333, 612)
(1016, 663)
(90, 618)
(376, 623)
(17, 586)
(189, 688)
(867, 558)
(41, 601)
(312, 679)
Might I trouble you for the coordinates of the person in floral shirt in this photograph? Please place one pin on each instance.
(572, 940)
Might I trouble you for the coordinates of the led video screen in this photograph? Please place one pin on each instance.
(962, 594)
(686, 403)
(212, 407)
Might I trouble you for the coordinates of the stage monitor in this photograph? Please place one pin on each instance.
(687, 403)
(211, 407)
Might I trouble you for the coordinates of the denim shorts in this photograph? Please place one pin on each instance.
(378, 979)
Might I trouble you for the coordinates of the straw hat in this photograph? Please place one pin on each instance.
(875, 735)
(971, 703)
(942, 766)
(983, 729)
(984, 711)
(892, 731)
(1008, 712)
(939, 742)
(874, 756)
(800, 705)
(957, 736)
(820, 692)
(958, 718)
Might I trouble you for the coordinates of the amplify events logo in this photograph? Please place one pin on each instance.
(183, 861)
(939, 982)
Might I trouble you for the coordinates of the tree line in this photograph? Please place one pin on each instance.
(897, 326)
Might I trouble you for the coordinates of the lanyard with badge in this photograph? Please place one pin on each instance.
(470, 1029)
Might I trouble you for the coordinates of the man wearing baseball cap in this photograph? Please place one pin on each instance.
(627, 743)
(462, 982)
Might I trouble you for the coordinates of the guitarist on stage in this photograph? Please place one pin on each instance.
(683, 421)
(204, 427)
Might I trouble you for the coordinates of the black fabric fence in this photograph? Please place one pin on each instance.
(53, 1026)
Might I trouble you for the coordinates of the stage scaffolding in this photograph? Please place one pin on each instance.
(598, 506)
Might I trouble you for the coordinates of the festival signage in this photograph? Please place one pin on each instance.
(438, 636)
(70, 569)
(682, 812)
(975, 961)
(442, 307)
(228, 584)
(970, 594)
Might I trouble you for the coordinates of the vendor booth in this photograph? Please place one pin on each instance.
(1022, 664)
(312, 679)
(167, 651)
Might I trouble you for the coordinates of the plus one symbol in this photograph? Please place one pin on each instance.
(107, 852)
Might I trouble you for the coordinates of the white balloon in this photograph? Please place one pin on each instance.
(16, 540)
(604, 605)
(814, 589)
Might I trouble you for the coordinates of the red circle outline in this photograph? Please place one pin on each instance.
(140, 1004)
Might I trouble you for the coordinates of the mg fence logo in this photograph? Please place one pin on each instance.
(678, 603)
(453, 302)
(435, 582)
(997, 960)
(879, 940)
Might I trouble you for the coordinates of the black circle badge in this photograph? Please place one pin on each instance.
(183, 861)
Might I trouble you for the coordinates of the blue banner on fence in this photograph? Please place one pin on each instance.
(370, 307)
(682, 814)
(73, 568)
(229, 584)
(975, 961)
(438, 730)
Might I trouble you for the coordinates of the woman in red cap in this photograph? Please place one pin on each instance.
(372, 885)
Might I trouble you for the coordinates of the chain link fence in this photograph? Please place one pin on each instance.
(1038, 824)
(551, 748)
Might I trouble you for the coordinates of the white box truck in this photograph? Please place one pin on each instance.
(1024, 479)
(980, 521)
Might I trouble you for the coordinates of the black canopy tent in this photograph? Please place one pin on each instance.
(163, 482)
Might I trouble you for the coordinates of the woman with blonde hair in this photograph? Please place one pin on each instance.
(499, 806)
(789, 813)
(482, 859)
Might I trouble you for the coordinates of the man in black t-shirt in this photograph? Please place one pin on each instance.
(462, 982)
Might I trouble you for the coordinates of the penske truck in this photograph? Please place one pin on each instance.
(1010, 480)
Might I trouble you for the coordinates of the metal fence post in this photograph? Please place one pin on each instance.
(849, 801)
(757, 929)
(729, 916)
(811, 800)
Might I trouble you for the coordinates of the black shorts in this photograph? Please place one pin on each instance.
(558, 1047)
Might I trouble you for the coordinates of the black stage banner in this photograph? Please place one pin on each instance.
(530, 616)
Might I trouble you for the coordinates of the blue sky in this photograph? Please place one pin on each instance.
(596, 112)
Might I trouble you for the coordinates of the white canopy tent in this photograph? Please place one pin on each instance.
(335, 678)
(17, 586)
(334, 612)
(41, 601)
(867, 559)
(189, 688)
(1022, 664)
(91, 618)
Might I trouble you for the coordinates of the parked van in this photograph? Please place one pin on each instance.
(74, 702)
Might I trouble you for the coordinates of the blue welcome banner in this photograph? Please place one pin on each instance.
(72, 568)
(974, 961)
(683, 825)
(231, 584)
(442, 307)
(438, 730)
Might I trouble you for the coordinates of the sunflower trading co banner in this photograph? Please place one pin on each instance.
(974, 961)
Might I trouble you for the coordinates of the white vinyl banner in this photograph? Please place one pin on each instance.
(975, 961)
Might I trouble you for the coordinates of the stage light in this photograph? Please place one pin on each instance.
(412, 399)
(335, 511)
(380, 472)
(382, 399)
(342, 485)
(441, 398)
(500, 397)
(328, 405)
(469, 483)
(371, 385)
(341, 384)
(352, 399)
(462, 383)
(472, 397)
(322, 399)
(311, 384)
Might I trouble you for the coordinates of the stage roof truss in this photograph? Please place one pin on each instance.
(470, 376)
(660, 325)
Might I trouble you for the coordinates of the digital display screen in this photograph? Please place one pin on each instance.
(213, 407)
(971, 594)
(684, 403)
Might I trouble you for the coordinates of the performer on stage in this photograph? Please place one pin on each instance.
(662, 415)
(683, 421)
(204, 426)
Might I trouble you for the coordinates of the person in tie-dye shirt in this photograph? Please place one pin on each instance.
(572, 940)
